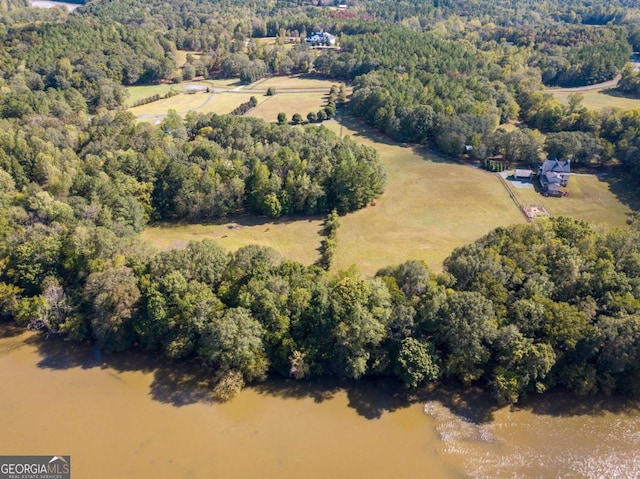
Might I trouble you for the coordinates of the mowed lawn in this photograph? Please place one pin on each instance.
(589, 198)
(141, 92)
(293, 82)
(599, 99)
(430, 207)
(289, 104)
(181, 57)
(225, 103)
(222, 103)
(272, 41)
(182, 103)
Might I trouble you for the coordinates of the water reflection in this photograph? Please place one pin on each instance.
(160, 418)
(126, 404)
(184, 382)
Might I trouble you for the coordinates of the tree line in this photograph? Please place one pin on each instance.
(522, 310)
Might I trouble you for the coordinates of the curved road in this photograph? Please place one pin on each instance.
(597, 86)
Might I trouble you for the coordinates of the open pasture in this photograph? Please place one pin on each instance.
(270, 42)
(310, 96)
(137, 93)
(289, 103)
(183, 103)
(431, 206)
(294, 238)
(181, 57)
(293, 82)
(224, 103)
(599, 99)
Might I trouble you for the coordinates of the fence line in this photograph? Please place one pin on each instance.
(513, 196)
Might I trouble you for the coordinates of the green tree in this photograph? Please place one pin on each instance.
(234, 342)
(113, 297)
(522, 365)
(359, 311)
(176, 312)
(465, 333)
(416, 363)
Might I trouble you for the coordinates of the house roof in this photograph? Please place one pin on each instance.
(518, 173)
(556, 166)
(553, 177)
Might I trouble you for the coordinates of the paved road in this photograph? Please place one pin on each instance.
(598, 86)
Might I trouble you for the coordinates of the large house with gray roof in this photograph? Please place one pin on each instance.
(553, 176)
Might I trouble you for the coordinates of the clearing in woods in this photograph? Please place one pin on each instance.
(431, 206)
(294, 94)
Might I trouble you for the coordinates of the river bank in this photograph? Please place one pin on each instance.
(157, 419)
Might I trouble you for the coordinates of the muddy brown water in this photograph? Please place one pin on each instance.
(127, 416)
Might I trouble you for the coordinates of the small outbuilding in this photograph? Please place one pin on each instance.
(521, 174)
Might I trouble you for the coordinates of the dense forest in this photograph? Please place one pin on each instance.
(524, 309)
(419, 69)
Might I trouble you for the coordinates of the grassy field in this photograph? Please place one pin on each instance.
(431, 205)
(226, 83)
(295, 239)
(508, 127)
(225, 103)
(289, 103)
(140, 92)
(181, 57)
(222, 103)
(599, 99)
(182, 103)
(291, 82)
(589, 198)
(272, 41)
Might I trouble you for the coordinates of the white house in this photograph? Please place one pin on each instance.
(321, 38)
